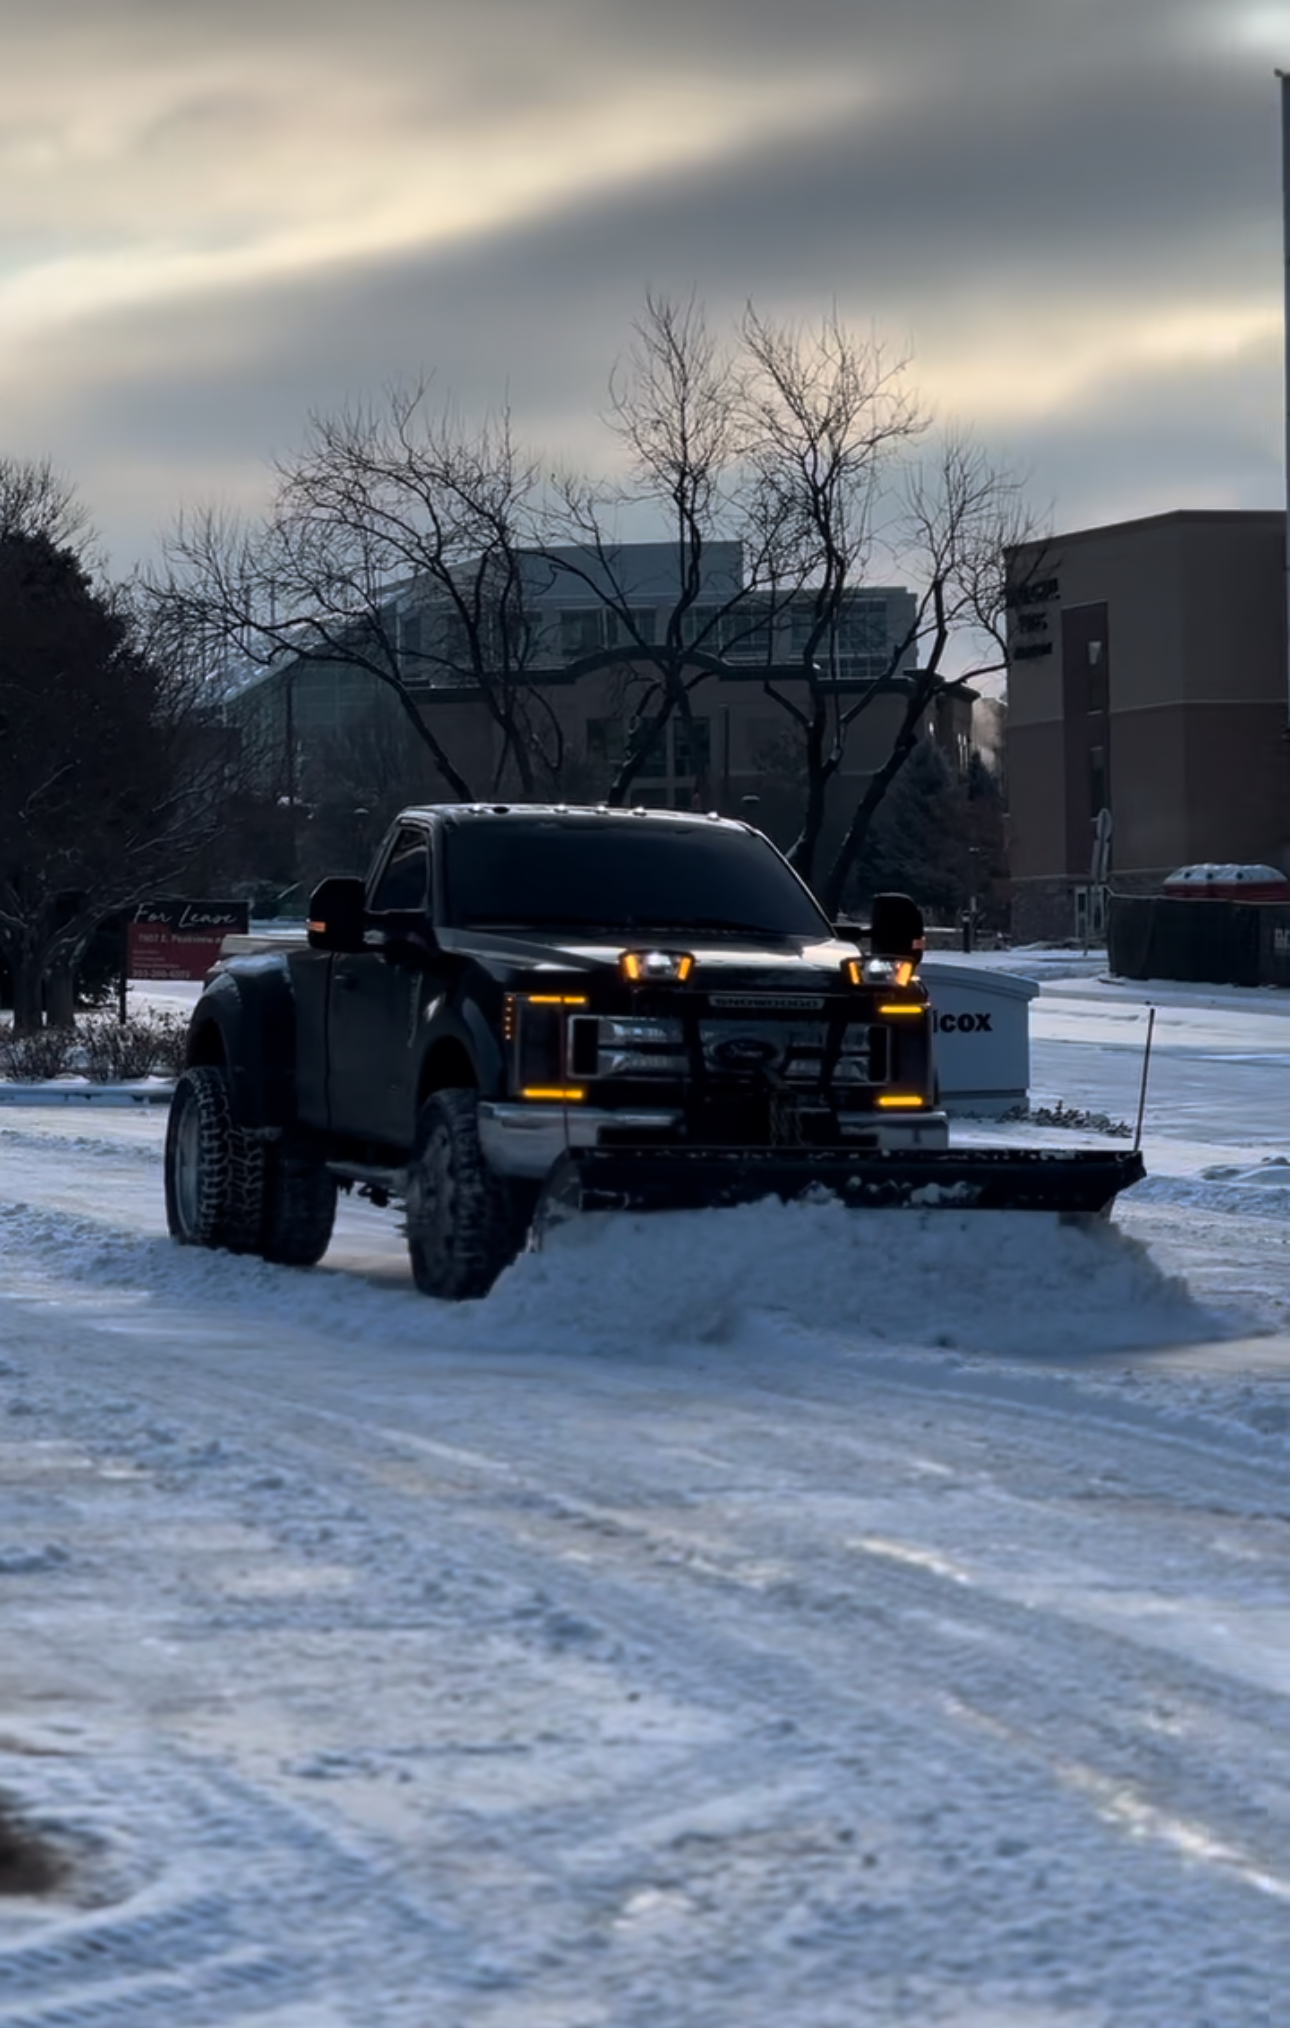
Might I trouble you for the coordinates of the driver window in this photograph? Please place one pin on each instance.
(404, 882)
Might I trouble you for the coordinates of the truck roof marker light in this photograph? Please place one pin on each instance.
(905, 1101)
(645, 968)
(567, 1094)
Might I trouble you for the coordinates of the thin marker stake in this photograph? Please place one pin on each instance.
(1146, 1065)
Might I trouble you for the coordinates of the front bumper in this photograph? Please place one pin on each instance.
(528, 1139)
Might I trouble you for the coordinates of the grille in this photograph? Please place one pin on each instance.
(778, 1050)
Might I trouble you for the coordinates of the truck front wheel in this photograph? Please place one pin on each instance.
(214, 1170)
(465, 1224)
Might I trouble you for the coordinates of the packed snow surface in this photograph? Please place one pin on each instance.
(776, 1616)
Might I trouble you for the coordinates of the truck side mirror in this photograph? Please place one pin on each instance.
(896, 927)
(336, 914)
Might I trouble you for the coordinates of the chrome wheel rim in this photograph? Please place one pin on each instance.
(188, 1137)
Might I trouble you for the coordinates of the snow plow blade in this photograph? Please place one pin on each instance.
(979, 1179)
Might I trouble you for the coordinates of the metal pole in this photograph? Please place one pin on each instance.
(1285, 235)
(1146, 1065)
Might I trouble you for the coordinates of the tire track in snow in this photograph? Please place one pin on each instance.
(833, 1686)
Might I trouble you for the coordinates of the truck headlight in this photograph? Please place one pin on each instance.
(535, 1026)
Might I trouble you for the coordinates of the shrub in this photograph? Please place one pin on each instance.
(116, 1052)
(30, 1059)
(107, 1051)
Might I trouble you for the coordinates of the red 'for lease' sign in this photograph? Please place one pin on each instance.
(175, 939)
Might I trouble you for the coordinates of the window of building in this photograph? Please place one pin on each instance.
(746, 636)
(619, 634)
(582, 631)
(862, 629)
(1098, 785)
(654, 763)
(1097, 685)
(691, 747)
(801, 625)
(699, 627)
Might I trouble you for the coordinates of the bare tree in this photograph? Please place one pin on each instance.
(962, 514)
(826, 414)
(675, 406)
(394, 545)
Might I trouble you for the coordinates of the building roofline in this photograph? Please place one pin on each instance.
(1172, 517)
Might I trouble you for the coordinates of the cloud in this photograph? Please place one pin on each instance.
(212, 219)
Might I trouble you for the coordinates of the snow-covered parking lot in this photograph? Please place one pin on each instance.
(764, 1619)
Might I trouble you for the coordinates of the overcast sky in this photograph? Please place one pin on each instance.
(215, 217)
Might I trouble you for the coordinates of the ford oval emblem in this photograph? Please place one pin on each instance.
(746, 1052)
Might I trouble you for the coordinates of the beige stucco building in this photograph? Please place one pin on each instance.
(1147, 677)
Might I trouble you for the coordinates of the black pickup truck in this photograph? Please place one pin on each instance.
(615, 1007)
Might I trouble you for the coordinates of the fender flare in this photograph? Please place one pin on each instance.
(246, 1020)
(461, 1028)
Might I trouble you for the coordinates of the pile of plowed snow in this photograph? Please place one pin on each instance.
(1010, 1282)
(979, 1280)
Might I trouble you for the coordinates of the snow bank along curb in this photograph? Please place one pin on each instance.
(79, 1091)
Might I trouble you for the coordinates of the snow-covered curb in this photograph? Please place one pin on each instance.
(144, 1091)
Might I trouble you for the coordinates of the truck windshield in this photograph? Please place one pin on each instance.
(615, 874)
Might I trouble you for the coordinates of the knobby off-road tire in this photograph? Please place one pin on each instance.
(214, 1169)
(299, 1207)
(464, 1223)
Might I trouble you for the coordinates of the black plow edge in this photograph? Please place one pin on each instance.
(980, 1179)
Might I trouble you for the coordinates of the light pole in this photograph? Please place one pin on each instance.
(1285, 236)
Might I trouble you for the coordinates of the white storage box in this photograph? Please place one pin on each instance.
(982, 1024)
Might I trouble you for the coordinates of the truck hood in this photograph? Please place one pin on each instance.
(516, 957)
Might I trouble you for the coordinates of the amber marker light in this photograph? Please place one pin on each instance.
(645, 968)
(891, 1101)
(556, 999)
(566, 1094)
(905, 1007)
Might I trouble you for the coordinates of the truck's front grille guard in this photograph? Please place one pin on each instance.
(833, 1028)
(581, 1049)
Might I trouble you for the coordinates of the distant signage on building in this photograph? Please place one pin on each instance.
(1036, 591)
(175, 939)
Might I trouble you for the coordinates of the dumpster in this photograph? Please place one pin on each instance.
(981, 1020)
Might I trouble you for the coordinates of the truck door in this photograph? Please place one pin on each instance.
(375, 1009)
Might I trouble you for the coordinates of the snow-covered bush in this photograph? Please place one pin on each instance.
(116, 1051)
(30, 1059)
(171, 1034)
(105, 1050)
